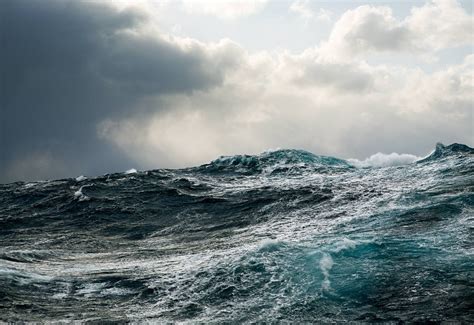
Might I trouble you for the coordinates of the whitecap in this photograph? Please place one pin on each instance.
(81, 178)
(28, 185)
(325, 264)
(23, 277)
(80, 196)
(116, 292)
(131, 171)
(345, 243)
(89, 289)
(59, 296)
(384, 160)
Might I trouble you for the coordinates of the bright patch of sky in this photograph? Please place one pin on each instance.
(274, 27)
(289, 25)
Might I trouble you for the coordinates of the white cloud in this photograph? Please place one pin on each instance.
(224, 9)
(263, 104)
(436, 25)
(306, 12)
(441, 24)
(365, 29)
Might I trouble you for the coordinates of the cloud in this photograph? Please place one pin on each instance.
(36, 165)
(254, 111)
(304, 9)
(224, 9)
(95, 88)
(441, 24)
(70, 65)
(310, 71)
(367, 29)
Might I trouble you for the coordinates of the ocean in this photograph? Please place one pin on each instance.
(284, 236)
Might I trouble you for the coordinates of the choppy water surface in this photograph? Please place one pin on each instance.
(283, 236)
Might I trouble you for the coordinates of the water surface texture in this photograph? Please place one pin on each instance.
(283, 236)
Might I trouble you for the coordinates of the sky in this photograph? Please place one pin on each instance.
(94, 87)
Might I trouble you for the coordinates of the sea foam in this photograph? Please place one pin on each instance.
(80, 196)
(385, 160)
(325, 265)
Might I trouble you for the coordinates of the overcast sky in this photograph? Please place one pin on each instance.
(91, 87)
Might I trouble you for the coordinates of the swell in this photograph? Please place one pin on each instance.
(244, 240)
(273, 162)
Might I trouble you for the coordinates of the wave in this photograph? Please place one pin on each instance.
(81, 196)
(385, 160)
(269, 162)
(291, 160)
(453, 150)
(283, 161)
(284, 236)
(395, 159)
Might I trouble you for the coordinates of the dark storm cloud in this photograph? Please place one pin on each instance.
(66, 66)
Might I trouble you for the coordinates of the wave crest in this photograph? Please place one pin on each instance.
(385, 160)
(273, 162)
(441, 151)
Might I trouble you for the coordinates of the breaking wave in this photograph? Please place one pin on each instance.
(385, 160)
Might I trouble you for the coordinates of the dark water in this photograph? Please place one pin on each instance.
(284, 236)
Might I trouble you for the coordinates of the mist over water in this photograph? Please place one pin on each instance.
(283, 236)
